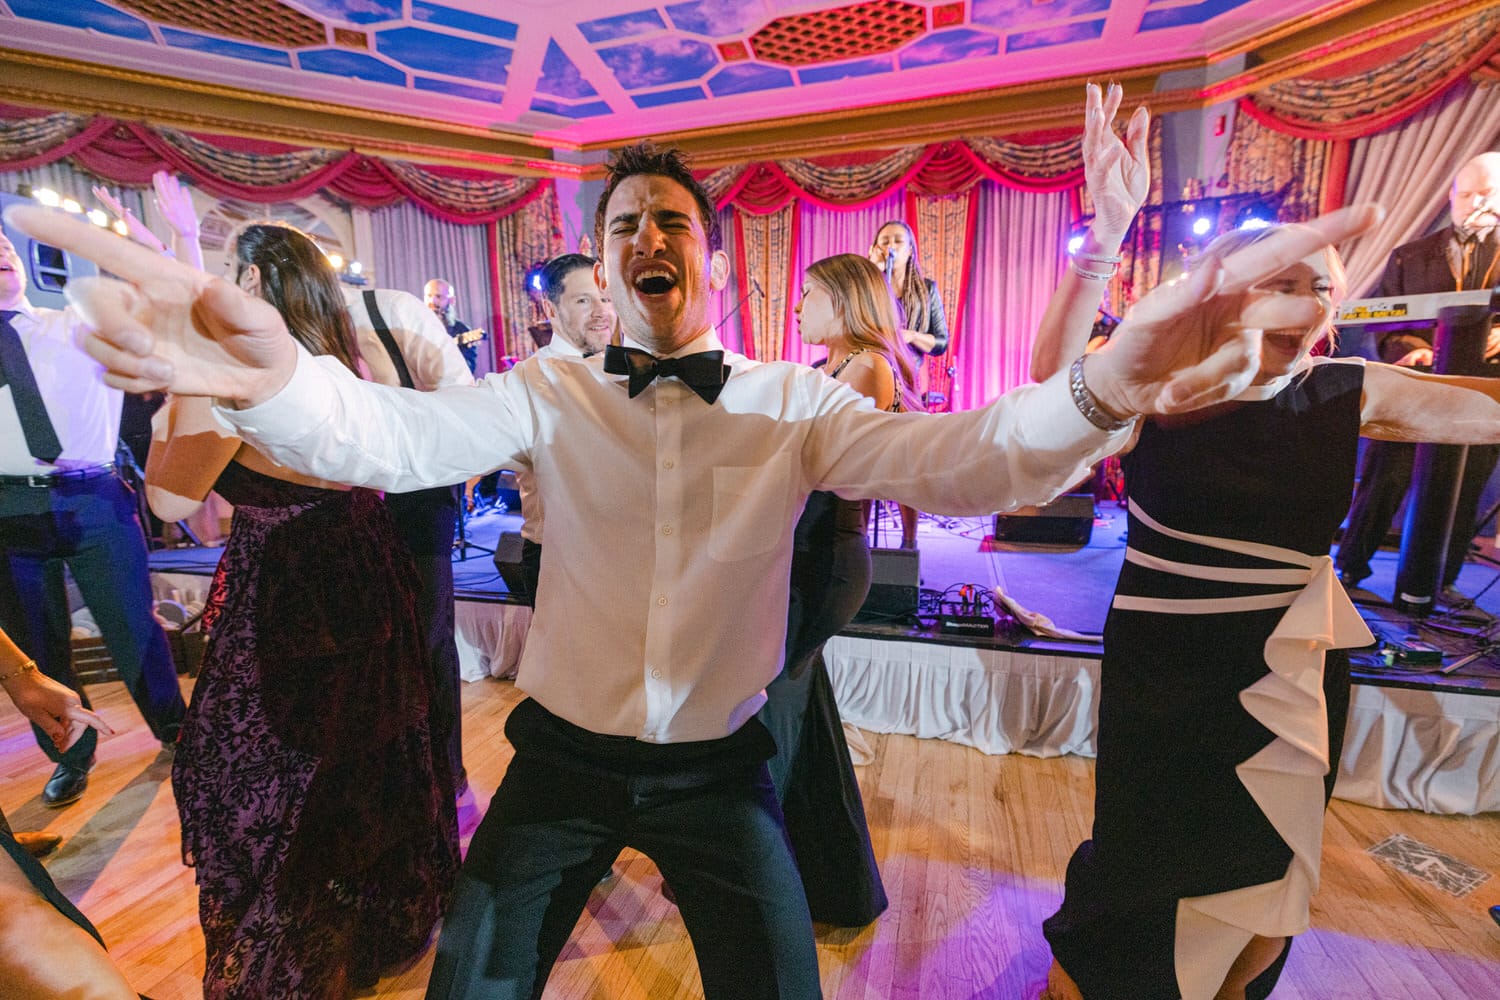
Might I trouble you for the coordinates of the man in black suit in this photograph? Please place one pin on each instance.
(1459, 257)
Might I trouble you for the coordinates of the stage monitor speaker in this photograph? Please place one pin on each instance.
(1068, 520)
(895, 575)
(508, 562)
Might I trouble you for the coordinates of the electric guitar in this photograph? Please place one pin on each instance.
(469, 337)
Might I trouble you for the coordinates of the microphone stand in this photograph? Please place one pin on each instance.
(754, 290)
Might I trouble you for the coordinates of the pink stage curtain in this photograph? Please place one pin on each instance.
(1380, 88)
(255, 170)
(523, 239)
(765, 245)
(823, 232)
(1019, 247)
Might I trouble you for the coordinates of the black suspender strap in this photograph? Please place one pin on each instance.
(387, 341)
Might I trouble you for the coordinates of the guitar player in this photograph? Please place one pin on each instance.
(439, 297)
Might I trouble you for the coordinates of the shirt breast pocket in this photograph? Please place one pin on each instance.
(750, 505)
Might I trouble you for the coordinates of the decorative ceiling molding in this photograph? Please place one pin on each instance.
(1331, 33)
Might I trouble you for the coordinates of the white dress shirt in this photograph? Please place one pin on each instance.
(662, 614)
(84, 411)
(431, 356)
(532, 517)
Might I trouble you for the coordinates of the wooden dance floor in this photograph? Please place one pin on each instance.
(972, 847)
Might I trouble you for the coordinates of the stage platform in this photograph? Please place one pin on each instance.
(1416, 740)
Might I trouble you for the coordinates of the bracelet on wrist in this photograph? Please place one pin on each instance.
(28, 667)
(1088, 404)
(1091, 275)
(1098, 258)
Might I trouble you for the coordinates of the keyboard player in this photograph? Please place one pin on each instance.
(1459, 257)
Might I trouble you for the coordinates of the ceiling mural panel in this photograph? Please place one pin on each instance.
(1194, 13)
(598, 71)
(179, 39)
(954, 45)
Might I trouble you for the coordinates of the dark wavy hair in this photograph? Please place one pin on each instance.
(556, 271)
(914, 293)
(297, 279)
(655, 161)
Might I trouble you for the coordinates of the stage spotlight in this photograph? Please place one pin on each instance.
(119, 226)
(355, 267)
(1201, 225)
(1074, 242)
(534, 279)
(1256, 215)
(47, 197)
(98, 218)
(335, 261)
(71, 205)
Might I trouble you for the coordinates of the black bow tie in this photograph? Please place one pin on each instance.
(703, 373)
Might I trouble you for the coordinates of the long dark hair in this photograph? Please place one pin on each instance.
(914, 294)
(297, 279)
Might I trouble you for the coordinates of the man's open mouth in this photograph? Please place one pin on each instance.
(655, 282)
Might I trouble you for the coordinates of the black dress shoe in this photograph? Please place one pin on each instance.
(67, 784)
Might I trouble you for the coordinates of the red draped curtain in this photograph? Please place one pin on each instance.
(1390, 125)
(256, 170)
(938, 183)
(1381, 87)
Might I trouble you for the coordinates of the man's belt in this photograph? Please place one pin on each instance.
(65, 477)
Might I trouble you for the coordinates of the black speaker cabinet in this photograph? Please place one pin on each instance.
(508, 562)
(1068, 520)
(895, 575)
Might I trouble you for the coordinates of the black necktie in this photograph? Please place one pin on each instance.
(703, 373)
(41, 439)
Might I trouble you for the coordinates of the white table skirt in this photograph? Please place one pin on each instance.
(997, 701)
(1437, 751)
(490, 638)
(1403, 749)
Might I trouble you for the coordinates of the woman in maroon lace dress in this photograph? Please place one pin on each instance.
(320, 823)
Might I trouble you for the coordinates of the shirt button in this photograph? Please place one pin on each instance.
(656, 673)
(666, 529)
(668, 464)
(661, 602)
